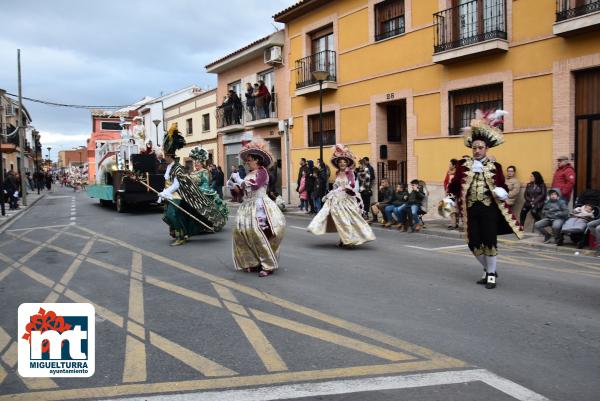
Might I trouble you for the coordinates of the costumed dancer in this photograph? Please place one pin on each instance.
(342, 211)
(201, 178)
(180, 190)
(481, 193)
(260, 225)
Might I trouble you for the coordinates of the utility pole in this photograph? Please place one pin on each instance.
(21, 133)
(3, 132)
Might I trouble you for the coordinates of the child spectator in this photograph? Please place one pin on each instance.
(303, 192)
(554, 213)
(577, 222)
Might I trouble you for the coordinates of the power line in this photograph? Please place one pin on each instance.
(74, 106)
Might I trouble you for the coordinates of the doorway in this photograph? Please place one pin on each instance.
(392, 143)
(587, 129)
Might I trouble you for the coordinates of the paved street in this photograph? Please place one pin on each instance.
(401, 318)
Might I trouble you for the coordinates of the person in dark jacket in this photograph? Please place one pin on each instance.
(11, 187)
(242, 171)
(324, 174)
(384, 196)
(318, 190)
(554, 213)
(413, 203)
(250, 102)
(220, 181)
(399, 198)
(535, 196)
(310, 186)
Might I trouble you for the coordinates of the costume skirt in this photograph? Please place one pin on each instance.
(179, 222)
(257, 235)
(482, 229)
(340, 213)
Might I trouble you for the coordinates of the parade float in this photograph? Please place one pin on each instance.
(127, 176)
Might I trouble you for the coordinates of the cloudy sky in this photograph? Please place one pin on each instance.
(115, 52)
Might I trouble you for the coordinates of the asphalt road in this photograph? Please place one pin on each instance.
(399, 318)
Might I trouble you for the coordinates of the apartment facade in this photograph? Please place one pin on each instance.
(404, 76)
(196, 120)
(262, 60)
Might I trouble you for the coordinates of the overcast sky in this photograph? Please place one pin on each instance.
(115, 52)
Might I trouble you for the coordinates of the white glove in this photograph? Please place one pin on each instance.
(16, 194)
(500, 193)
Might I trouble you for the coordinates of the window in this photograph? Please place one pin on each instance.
(205, 122)
(465, 102)
(396, 121)
(267, 78)
(322, 40)
(236, 87)
(389, 19)
(328, 129)
(189, 128)
(110, 126)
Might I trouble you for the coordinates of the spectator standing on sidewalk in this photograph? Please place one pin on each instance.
(564, 178)
(310, 186)
(318, 192)
(554, 214)
(11, 189)
(513, 185)
(535, 196)
(303, 193)
(324, 174)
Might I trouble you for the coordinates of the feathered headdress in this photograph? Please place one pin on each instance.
(173, 140)
(257, 147)
(342, 152)
(485, 127)
(199, 154)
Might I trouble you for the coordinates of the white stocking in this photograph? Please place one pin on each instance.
(481, 259)
(491, 264)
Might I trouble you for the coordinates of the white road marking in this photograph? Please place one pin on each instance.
(290, 391)
(72, 218)
(438, 248)
(298, 228)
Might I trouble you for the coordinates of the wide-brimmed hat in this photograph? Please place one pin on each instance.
(485, 127)
(257, 147)
(342, 152)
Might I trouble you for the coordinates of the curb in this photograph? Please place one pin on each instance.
(10, 220)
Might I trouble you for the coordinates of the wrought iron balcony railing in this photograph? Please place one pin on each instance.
(322, 61)
(469, 23)
(566, 9)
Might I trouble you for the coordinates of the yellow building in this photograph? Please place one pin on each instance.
(196, 121)
(404, 76)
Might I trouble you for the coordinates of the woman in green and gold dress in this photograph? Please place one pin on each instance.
(201, 177)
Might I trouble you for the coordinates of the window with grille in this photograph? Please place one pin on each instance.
(189, 128)
(465, 102)
(389, 19)
(328, 129)
(205, 122)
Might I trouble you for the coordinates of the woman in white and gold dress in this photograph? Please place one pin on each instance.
(260, 225)
(341, 212)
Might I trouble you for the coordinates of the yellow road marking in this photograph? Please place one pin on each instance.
(236, 308)
(39, 383)
(6, 272)
(37, 276)
(233, 382)
(3, 374)
(134, 369)
(263, 347)
(326, 335)
(10, 355)
(580, 264)
(4, 338)
(198, 362)
(195, 295)
(100, 310)
(225, 293)
(280, 302)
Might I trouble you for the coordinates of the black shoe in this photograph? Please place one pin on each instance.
(491, 281)
(547, 238)
(482, 280)
(560, 240)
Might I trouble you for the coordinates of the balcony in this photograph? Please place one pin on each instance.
(321, 61)
(576, 16)
(469, 30)
(261, 114)
(247, 116)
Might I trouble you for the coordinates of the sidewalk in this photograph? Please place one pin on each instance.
(439, 227)
(32, 199)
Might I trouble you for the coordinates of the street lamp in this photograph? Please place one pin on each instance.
(156, 122)
(320, 76)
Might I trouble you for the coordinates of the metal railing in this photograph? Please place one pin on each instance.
(244, 112)
(394, 172)
(469, 23)
(322, 61)
(566, 9)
